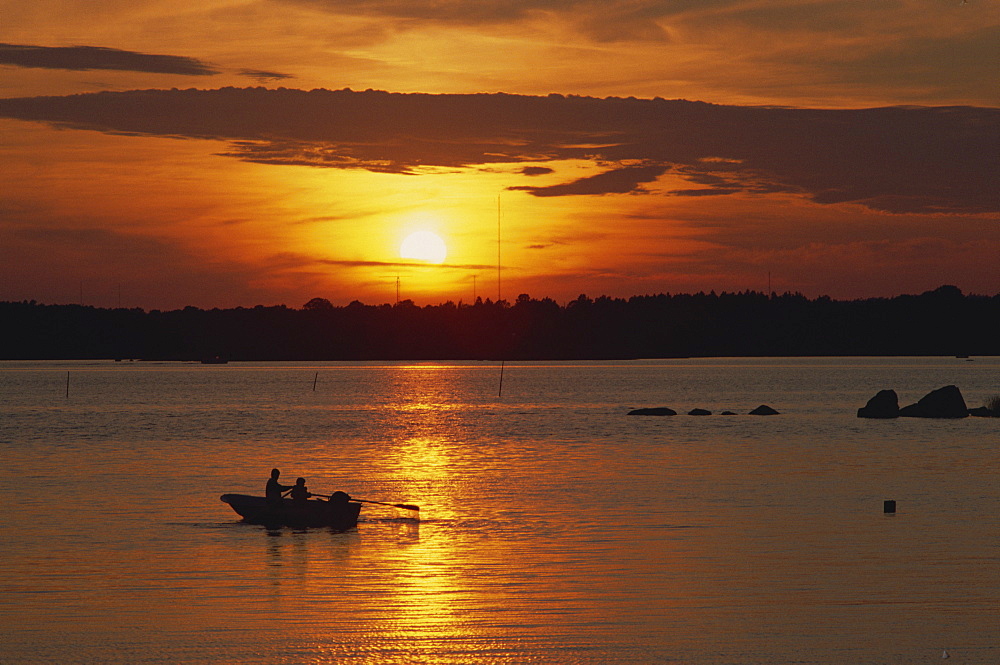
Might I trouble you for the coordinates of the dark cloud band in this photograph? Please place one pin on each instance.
(83, 58)
(894, 159)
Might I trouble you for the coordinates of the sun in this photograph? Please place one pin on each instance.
(424, 246)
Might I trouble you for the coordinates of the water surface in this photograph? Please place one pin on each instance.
(553, 527)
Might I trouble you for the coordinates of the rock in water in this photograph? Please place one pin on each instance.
(946, 402)
(885, 404)
(654, 411)
(699, 412)
(763, 410)
(984, 412)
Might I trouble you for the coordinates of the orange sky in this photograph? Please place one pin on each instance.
(223, 197)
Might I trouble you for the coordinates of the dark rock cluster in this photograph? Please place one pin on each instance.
(762, 410)
(946, 402)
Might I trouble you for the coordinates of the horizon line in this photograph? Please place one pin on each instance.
(942, 289)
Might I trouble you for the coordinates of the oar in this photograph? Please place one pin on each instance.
(404, 506)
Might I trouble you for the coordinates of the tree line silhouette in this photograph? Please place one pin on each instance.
(750, 323)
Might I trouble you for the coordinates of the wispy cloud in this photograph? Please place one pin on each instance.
(84, 58)
(815, 52)
(636, 20)
(264, 76)
(403, 264)
(616, 181)
(893, 159)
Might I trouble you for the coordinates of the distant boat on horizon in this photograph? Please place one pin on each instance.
(214, 360)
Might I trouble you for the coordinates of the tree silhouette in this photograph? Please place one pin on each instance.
(939, 322)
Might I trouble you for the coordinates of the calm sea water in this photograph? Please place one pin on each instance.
(553, 528)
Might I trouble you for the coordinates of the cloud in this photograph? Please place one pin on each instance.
(597, 20)
(83, 58)
(945, 64)
(718, 191)
(402, 264)
(602, 21)
(262, 76)
(616, 181)
(893, 159)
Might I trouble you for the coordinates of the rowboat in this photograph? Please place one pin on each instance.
(340, 515)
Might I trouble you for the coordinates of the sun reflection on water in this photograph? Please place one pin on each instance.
(425, 449)
(435, 590)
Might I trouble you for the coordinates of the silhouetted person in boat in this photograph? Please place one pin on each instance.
(299, 492)
(274, 489)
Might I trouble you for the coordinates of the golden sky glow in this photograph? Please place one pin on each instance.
(221, 198)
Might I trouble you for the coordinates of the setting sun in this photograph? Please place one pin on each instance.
(424, 246)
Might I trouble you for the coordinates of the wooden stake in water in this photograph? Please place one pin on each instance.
(67, 385)
(315, 379)
(500, 391)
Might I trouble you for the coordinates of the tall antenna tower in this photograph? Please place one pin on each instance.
(498, 248)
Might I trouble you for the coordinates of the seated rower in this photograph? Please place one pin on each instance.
(299, 492)
(274, 489)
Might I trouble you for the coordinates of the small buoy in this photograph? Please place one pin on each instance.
(888, 506)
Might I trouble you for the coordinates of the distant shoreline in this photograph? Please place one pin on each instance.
(942, 322)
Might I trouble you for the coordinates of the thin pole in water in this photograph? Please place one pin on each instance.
(500, 391)
(67, 385)
(315, 379)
